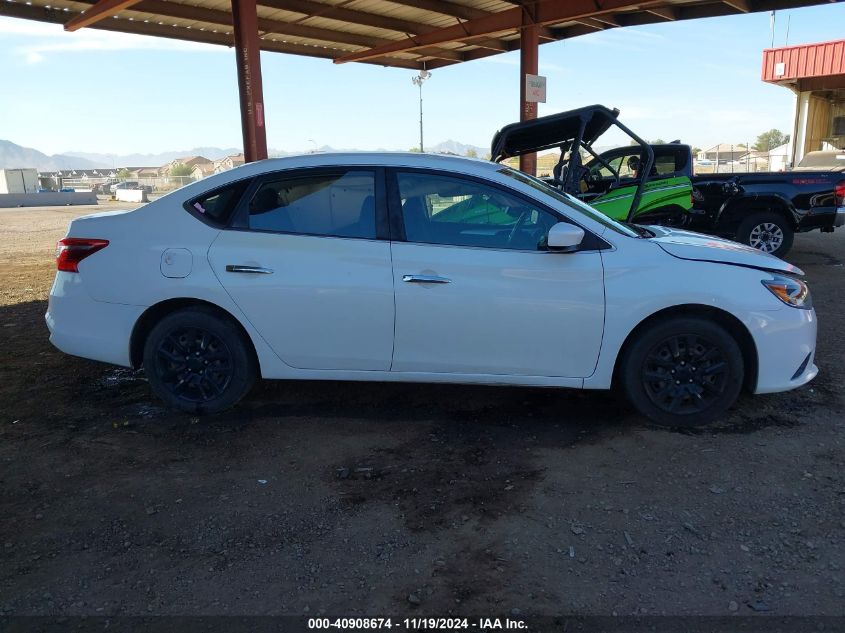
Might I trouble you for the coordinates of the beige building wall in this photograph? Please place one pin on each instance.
(818, 123)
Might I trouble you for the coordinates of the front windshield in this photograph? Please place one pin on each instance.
(568, 200)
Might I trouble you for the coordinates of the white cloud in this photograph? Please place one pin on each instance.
(41, 40)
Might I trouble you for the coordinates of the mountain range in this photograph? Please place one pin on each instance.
(13, 156)
(150, 160)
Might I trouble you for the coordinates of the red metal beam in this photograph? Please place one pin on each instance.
(311, 8)
(529, 44)
(248, 55)
(667, 13)
(100, 11)
(342, 14)
(139, 27)
(444, 8)
(545, 11)
(743, 6)
(224, 18)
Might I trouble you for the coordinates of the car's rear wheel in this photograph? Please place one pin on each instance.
(768, 232)
(199, 361)
(682, 371)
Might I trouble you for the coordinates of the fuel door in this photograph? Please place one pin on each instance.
(176, 263)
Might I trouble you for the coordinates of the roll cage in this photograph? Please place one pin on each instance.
(571, 131)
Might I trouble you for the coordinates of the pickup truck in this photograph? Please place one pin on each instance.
(766, 209)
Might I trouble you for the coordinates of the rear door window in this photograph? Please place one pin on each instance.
(338, 204)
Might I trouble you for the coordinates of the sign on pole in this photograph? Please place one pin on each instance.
(535, 88)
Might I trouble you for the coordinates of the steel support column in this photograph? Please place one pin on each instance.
(247, 53)
(529, 44)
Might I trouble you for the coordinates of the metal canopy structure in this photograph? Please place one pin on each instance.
(413, 34)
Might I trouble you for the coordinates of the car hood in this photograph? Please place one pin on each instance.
(706, 248)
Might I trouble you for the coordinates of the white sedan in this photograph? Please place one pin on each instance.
(422, 268)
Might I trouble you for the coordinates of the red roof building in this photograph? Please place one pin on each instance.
(816, 74)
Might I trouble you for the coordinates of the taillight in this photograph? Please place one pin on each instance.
(839, 193)
(72, 250)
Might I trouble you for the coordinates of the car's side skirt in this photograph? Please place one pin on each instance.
(431, 377)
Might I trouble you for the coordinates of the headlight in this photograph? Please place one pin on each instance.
(793, 292)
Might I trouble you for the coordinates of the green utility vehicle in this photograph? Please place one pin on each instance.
(641, 182)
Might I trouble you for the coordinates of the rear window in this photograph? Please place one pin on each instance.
(216, 206)
(670, 162)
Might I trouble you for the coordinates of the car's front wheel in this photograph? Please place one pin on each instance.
(682, 371)
(199, 361)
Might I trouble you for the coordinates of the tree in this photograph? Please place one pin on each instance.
(658, 141)
(471, 153)
(415, 149)
(767, 141)
(124, 174)
(180, 169)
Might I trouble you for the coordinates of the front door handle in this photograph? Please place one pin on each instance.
(255, 270)
(426, 279)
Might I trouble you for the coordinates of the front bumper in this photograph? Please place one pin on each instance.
(786, 346)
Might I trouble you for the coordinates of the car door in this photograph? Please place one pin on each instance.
(476, 290)
(307, 266)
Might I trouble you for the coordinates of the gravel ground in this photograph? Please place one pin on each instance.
(388, 499)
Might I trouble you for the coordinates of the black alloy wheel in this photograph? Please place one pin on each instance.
(682, 371)
(684, 374)
(198, 359)
(194, 364)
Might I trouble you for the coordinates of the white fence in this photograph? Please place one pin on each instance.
(743, 164)
(156, 185)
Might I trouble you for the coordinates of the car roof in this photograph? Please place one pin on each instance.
(445, 162)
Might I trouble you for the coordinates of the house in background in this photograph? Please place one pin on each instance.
(189, 161)
(228, 162)
(145, 172)
(723, 153)
(202, 170)
(780, 157)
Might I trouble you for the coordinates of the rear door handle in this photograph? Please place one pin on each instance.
(426, 279)
(255, 270)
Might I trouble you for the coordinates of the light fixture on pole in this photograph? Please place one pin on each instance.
(418, 81)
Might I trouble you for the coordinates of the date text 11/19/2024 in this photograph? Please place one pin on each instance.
(417, 624)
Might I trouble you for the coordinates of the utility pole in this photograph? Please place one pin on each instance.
(418, 80)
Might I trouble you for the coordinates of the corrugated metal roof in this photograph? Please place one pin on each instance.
(802, 62)
(407, 33)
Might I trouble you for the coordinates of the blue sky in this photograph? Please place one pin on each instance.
(696, 80)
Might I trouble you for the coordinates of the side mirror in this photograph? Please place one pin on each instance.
(565, 238)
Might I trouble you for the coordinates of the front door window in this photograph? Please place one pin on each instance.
(439, 209)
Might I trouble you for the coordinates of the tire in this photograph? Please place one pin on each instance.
(702, 360)
(220, 368)
(767, 231)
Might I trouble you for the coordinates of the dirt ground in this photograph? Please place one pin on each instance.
(395, 500)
